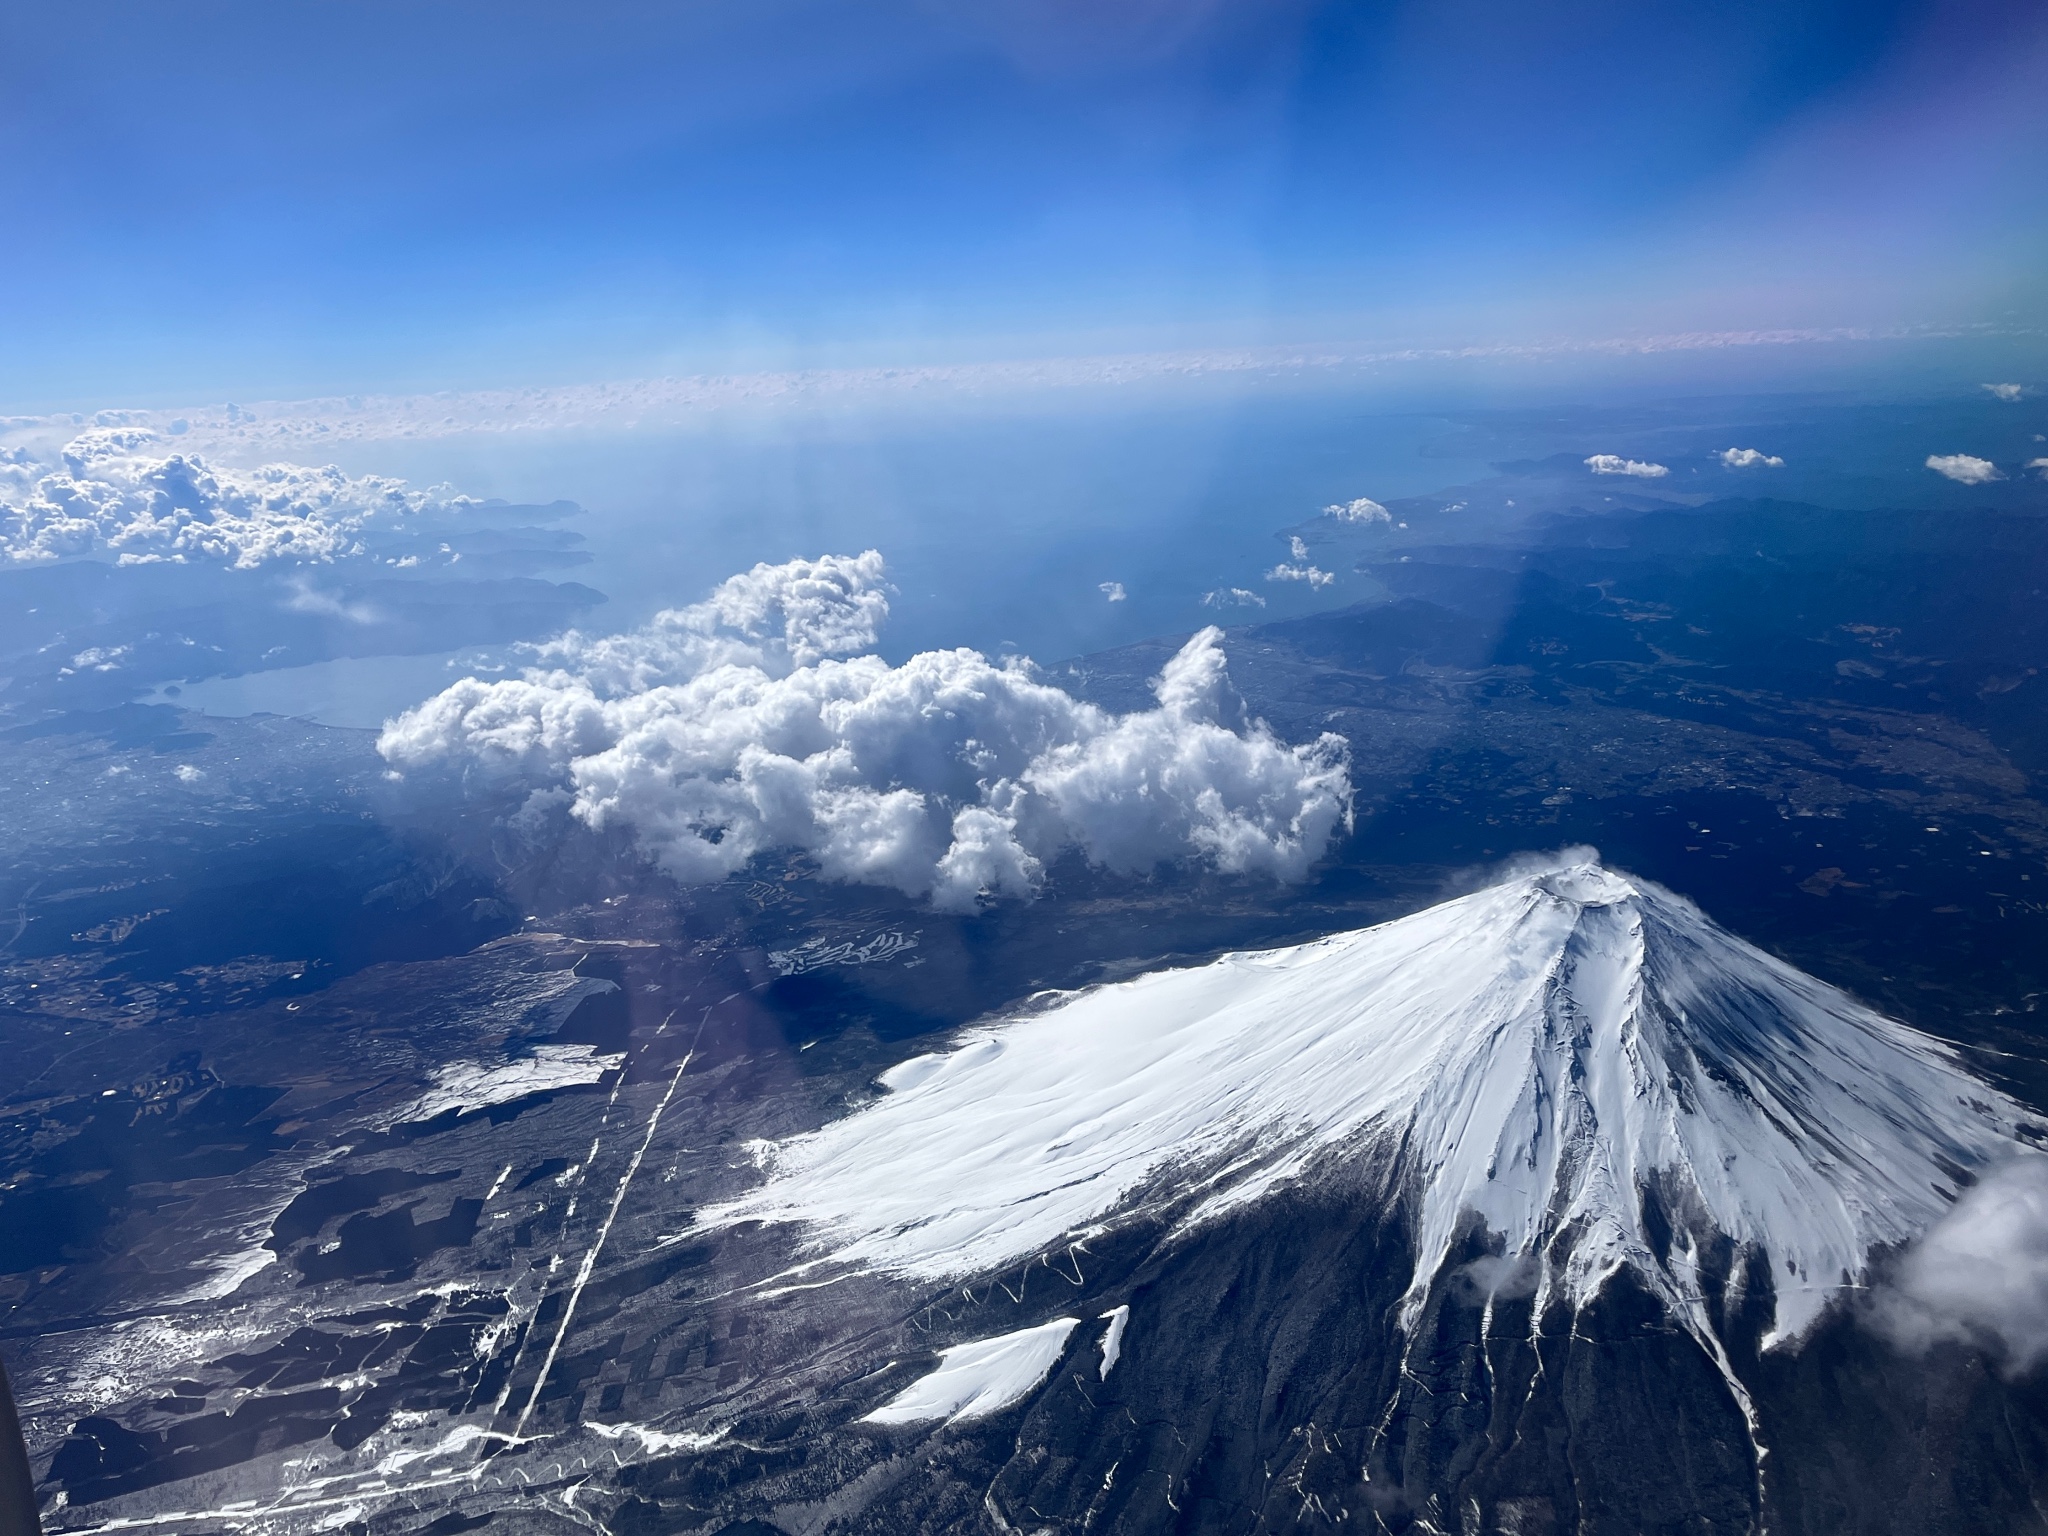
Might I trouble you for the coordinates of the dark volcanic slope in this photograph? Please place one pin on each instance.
(408, 1354)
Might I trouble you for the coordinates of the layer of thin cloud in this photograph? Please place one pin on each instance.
(1980, 1275)
(2007, 391)
(1750, 458)
(297, 426)
(115, 491)
(748, 724)
(1964, 468)
(1232, 597)
(1615, 464)
(1362, 510)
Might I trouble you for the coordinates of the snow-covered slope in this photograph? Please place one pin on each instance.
(1541, 1053)
(468, 1085)
(978, 1379)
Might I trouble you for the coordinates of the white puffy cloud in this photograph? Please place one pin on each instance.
(1615, 464)
(114, 491)
(1964, 468)
(306, 598)
(1750, 458)
(1362, 510)
(2007, 391)
(1113, 590)
(2040, 466)
(747, 723)
(1980, 1274)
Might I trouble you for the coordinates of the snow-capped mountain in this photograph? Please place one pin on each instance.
(1580, 1059)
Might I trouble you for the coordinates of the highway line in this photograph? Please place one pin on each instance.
(603, 1232)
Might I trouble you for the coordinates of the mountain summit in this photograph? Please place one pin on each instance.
(1578, 1059)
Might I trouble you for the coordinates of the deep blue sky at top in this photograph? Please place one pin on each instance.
(287, 198)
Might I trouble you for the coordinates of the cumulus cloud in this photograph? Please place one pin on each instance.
(1113, 590)
(115, 491)
(1750, 458)
(1980, 1275)
(1363, 510)
(2039, 466)
(1964, 468)
(2007, 391)
(757, 721)
(1615, 464)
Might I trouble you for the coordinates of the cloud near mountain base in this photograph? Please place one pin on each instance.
(1980, 1275)
(741, 725)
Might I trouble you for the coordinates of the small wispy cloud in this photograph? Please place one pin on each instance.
(1615, 464)
(1313, 575)
(1232, 597)
(99, 658)
(1964, 468)
(1750, 458)
(306, 598)
(1113, 590)
(1300, 568)
(1362, 510)
(2007, 391)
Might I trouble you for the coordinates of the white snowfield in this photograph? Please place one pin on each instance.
(975, 1380)
(1118, 1318)
(469, 1085)
(1540, 1053)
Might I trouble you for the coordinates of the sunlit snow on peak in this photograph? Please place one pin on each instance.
(1541, 1053)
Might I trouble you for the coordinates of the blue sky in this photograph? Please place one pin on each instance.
(227, 197)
